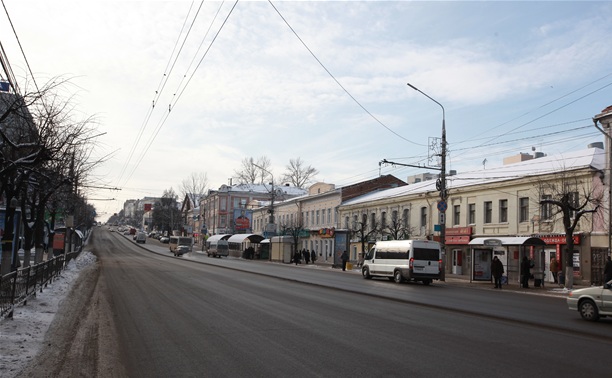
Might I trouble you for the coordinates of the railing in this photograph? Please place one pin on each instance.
(16, 287)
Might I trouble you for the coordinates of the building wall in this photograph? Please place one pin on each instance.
(511, 191)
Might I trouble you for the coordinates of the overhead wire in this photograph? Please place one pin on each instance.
(177, 98)
(160, 87)
(338, 82)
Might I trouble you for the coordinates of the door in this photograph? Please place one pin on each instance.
(457, 262)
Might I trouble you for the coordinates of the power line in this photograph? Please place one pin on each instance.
(337, 82)
(171, 105)
(158, 92)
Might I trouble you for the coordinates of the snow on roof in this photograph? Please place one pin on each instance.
(591, 157)
(261, 188)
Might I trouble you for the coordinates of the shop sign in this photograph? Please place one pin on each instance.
(558, 239)
(327, 232)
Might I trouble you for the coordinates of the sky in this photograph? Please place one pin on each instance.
(180, 87)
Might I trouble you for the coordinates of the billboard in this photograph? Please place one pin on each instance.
(242, 219)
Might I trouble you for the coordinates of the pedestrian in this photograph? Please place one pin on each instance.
(313, 255)
(297, 256)
(554, 269)
(608, 270)
(497, 269)
(345, 258)
(306, 256)
(525, 275)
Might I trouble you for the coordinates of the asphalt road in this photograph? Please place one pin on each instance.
(200, 316)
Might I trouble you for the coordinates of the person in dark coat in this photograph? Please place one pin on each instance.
(525, 274)
(313, 256)
(497, 270)
(608, 270)
(345, 258)
(306, 256)
(297, 256)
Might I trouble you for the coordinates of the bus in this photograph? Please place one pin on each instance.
(175, 241)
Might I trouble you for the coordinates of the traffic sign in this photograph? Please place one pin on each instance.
(442, 206)
(442, 218)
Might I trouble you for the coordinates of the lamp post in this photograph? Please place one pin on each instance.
(441, 184)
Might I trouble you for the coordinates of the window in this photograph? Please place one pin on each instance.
(488, 212)
(406, 219)
(472, 213)
(546, 209)
(372, 220)
(503, 211)
(524, 209)
(573, 202)
(383, 219)
(329, 216)
(346, 223)
(223, 204)
(354, 222)
(456, 215)
(318, 218)
(306, 220)
(312, 217)
(423, 217)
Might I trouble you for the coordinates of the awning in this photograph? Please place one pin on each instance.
(265, 241)
(218, 237)
(240, 238)
(509, 240)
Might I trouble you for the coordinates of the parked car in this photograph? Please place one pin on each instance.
(592, 302)
(164, 239)
(181, 250)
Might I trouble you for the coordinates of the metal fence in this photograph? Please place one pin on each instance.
(17, 286)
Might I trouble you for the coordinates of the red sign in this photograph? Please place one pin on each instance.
(558, 239)
(147, 207)
(458, 231)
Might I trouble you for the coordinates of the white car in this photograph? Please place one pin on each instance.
(592, 302)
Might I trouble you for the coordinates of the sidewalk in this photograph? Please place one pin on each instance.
(549, 288)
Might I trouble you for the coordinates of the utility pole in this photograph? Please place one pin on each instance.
(441, 183)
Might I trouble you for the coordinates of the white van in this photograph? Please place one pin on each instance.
(217, 248)
(404, 260)
(141, 237)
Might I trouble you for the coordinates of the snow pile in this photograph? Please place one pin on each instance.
(22, 337)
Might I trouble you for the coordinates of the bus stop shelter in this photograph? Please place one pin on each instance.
(245, 245)
(510, 250)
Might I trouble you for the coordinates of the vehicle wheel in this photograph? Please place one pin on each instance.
(588, 310)
(365, 272)
(397, 277)
(426, 282)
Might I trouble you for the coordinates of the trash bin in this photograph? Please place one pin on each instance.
(561, 278)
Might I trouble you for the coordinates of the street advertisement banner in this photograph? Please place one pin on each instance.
(242, 220)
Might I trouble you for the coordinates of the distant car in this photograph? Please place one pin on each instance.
(140, 237)
(164, 239)
(592, 302)
(181, 250)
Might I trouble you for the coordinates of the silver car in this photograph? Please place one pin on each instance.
(592, 302)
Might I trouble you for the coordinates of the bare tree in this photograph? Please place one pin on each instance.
(569, 199)
(298, 174)
(398, 229)
(42, 150)
(194, 187)
(295, 229)
(364, 231)
(253, 171)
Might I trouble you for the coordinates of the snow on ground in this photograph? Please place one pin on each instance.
(22, 336)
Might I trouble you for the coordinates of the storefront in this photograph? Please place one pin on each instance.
(510, 251)
(556, 248)
(457, 240)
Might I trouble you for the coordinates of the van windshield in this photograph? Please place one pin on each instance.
(427, 254)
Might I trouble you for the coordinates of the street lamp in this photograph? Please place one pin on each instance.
(441, 184)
